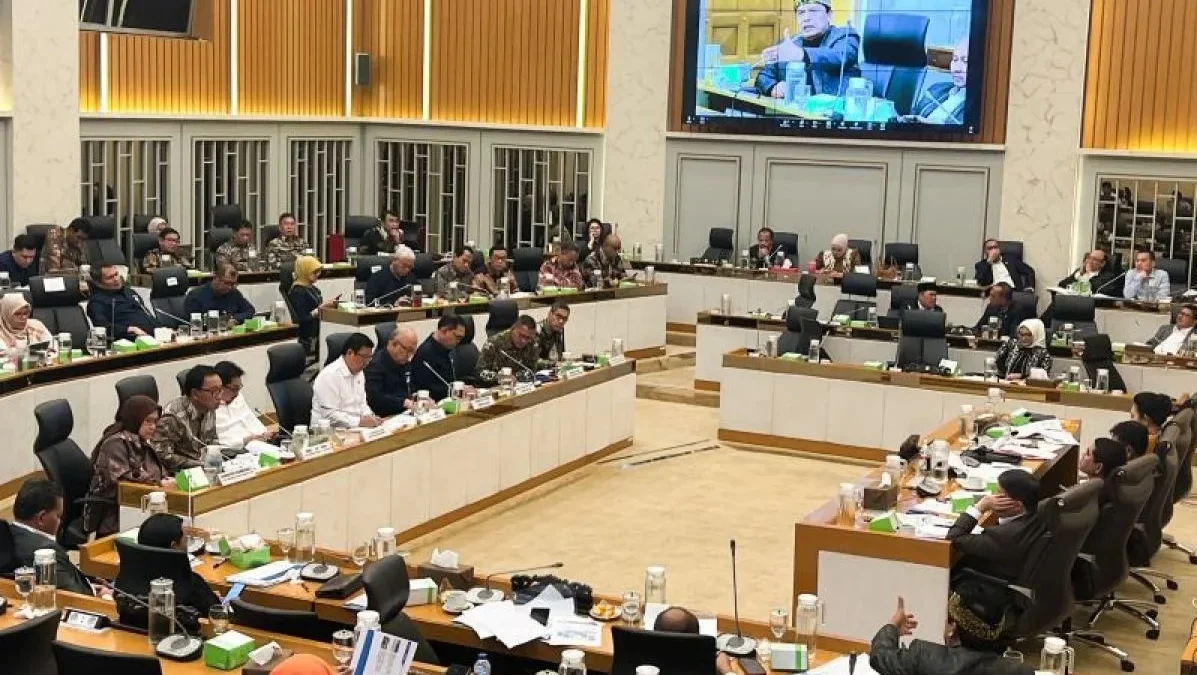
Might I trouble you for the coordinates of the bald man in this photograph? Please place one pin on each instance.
(608, 262)
(681, 620)
(388, 375)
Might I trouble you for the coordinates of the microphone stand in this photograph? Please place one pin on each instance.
(182, 647)
(378, 301)
(519, 363)
(486, 593)
(736, 644)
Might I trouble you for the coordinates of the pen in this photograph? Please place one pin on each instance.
(852, 663)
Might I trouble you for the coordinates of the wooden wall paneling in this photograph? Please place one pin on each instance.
(392, 33)
(89, 71)
(598, 29)
(171, 76)
(292, 56)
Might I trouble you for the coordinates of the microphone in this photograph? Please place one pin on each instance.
(843, 62)
(1106, 284)
(737, 644)
(377, 301)
(518, 363)
(112, 330)
(168, 315)
(486, 593)
(448, 387)
(180, 647)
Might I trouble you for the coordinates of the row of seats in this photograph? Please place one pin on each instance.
(525, 268)
(721, 245)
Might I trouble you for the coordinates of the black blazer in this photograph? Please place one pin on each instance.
(388, 384)
(914, 307)
(68, 576)
(1020, 273)
(1010, 315)
(1108, 281)
(888, 657)
(998, 551)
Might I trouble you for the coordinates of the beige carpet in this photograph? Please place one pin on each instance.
(608, 522)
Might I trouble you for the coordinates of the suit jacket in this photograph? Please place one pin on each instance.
(838, 46)
(1000, 550)
(1020, 273)
(914, 307)
(888, 657)
(69, 578)
(1011, 315)
(1106, 283)
(1165, 331)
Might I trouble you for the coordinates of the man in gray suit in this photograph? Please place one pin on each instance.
(37, 513)
(1178, 338)
(829, 52)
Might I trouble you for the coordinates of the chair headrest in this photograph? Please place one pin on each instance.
(469, 329)
(218, 236)
(143, 243)
(787, 240)
(8, 560)
(424, 267)
(387, 587)
(902, 294)
(101, 227)
(923, 324)
(1138, 469)
(68, 296)
(1075, 308)
(150, 562)
(269, 232)
(356, 226)
(796, 315)
(169, 282)
(504, 308)
(860, 284)
(140, 222)
(527, 259)
(55, 422)
(368, 265)
(226, 215)
(286, 362)
(902, 253)
(1075, 508)
(895, 39)
(722, 237)
(1011, 249)
(1098, 348)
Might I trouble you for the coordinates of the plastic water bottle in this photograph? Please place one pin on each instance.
(481, 665)
(796, 82)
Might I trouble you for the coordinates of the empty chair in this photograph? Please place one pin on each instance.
(895, 56)
(356, 227)
(1099, 355)
(27, 646)
(369, 264)
(526, 265)
(900, 253)
(793, 340)
(865, 248)
(225, 216)
(923, 340)
(466, 353)
(334, 346)
(143, 243)
(1025, 303)
(806, 291)
(503, 314)
(59, 309)
(788, 242)
(300, 624)
(1178, 273)
(65, 464)
(139, 222)
(668, 652)
(133, 385)
(1078, 310)
(387, 590)
(859, 292)
(423, 270)
(721, 244)
(290, 393)
(900, 297)
(102, 246)
(1148, 534)
(167, 290)
(75, 659)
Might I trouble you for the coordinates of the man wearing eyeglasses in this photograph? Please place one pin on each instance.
(220, 295)
(995, 268)
(339, 391)
(236, 421)
(168, 253)
(188, 423)
(829, 53)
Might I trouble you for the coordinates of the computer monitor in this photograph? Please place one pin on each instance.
(670, 652)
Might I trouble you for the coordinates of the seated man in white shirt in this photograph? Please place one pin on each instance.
(1145, 282)
(339, 392)
(237, 422)
(1177, 339)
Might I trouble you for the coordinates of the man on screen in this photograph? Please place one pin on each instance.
(944, 102)
(824, 48)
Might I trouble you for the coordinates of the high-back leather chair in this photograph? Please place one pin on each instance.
(139, 566)
(143, 243)
(27, 646)
(806, 291)
(38, 232)
(168, 288)
(102, 246)
(900, 297)
(1011, 249)
(865, 248)
(296, 623)
(76, 659)
(1178, 273)
(668, 652)
(466, 353)
(793, 340)
(66, 465)
(721, 244)
(897, 254)
(1099, 355)
(334, 346)
(503, 314)
(290, 393)
(1148, 534)
(217, 237)
(128, 387)
(140, 222)
(225, 216)
(60, 310)
(1026, 303)
(1078, 310)
(1184, 478)
(181, 380)
(894, 51)
(788, 241)
(267, 234)
(855, 291)
(356, 227)
(923, 340)
(387, 590)
(8, 549)
(526, 264)
(368, 266)
(423, 269)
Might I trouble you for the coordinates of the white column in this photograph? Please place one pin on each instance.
(40, 64)
(1042, 163)
(637, 102)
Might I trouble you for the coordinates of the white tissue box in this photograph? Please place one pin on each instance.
(423, 592)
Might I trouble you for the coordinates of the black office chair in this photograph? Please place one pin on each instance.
(1078, 310)
(286, 277)
(38, 232)
(102, 246)
(1184, 479)
(794, 340)
(181, 379)
(414, 236)
(217, 237)
(290, 393)
(334, 346)
(356, 227)
(225, 216)
(1178, 273)
(143, 243)
(806, 291)
(526, 264)
(1011, 249)
(856, 288)
(75, 659)
(788, 241)
(466, 353)
(423, 269)
(894, 51)
(1099, 354)
(478, 262)
(923, 340)
(60, 310)
(268, 233)
(1102, 565)
(865, 248)
(1148, 535)
(721, 244)
(669, 652)
(1026, 303)
(168, 288)
(128, 387)
(900, 297)
(8, 550)
(899, 253)
(27, 646)
(383, 333)
(387, 589)
(503, 314)
(139, 566)
(139, 223)
(67, 466)
(368, 266)
(296, 623)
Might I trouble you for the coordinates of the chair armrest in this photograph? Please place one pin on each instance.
(998, 581)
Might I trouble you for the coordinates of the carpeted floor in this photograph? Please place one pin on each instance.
(608, 522)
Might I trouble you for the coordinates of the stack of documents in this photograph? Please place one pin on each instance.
(513, 624)
(266, 575)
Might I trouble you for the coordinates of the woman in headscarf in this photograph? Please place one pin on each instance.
(124, 454)
(839, 259)
(306, 300)
(15, 323)
(304, 664)
(1023, 351)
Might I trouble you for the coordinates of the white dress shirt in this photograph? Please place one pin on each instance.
(1175, 340)
(339, 396)
(1002, 275)
(236, 422)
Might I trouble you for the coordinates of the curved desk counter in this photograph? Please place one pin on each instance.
(89, 384)
(261, 288)
(426, 476)
(635, 313)
(852, 411)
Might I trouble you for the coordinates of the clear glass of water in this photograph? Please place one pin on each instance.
(778, 620)
(361, 554)
(219, 616)
(342, 646)
(631, 607)
(1012, 655)
(286, 542)
(25, 577)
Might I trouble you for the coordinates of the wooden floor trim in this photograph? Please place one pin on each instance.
(671, 327)
(446, 519)
(646, 353)
(771, 443)
(706, 385)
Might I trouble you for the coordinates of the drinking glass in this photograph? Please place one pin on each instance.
(361, 553)
(286, 542)
(1012, 655)
(778, 619)
(342, 646)
(25, 578)
(631, 607)
(219, 616)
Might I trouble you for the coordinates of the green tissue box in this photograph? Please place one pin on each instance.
(549, 290)
(887, 522)
(449, 406)
(346, 306)
(123, 346)
(267, 324)
(841, 319)
(267, 459)
(1020, 421)
(190, 480)
(628, 284)
(568, 290)
(228, 651)
(874, 365)
(961, 502)
(477, 299)
(239, 329)
(991, 487)
(253, 323)
(995, 432)
(790, 657)
(244, 560)
(423, 592)
(858, 324)
(145, 342)
(792, 356)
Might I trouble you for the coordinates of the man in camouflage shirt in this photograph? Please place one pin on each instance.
(457, 269)
(287, 246)
(65, 250)
(168, 253)
(188, 423)
(236, 250)
(607, 262)
(514, 348)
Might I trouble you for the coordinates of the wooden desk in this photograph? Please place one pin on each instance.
(856, 412)
(113, 640)
(261, 288)
(428, 476)
(636, 314)
(89, 384)
(859, 574)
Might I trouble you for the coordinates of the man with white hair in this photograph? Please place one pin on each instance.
(389, 284)
(388, 375)
(839, 259)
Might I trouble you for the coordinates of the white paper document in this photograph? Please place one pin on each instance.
(840, 667)
(379, 653)
(575, 631)
(504, 621)
(933, 507)
(266, 575)
(357, 602)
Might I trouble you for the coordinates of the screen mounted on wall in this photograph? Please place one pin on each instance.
(831, 67)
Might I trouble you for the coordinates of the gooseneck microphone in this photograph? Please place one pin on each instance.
(519, 363)
(736, 642)
(486, 593)
(378, 301)
(181, 647)
(1107, 284)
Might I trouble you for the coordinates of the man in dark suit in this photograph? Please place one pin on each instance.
(1001, 305)
(37, 513)
(995, 268)
(1001, 548)
(926, 301)
(830, 53)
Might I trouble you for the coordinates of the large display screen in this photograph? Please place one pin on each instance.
(828, 67)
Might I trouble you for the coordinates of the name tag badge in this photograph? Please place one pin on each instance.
(374, 434)
(172, 281)
(318, 450)
(483, 402)
(236, 476)
(574, 373)
(617, 360)
(525, 388)
(435, 415)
